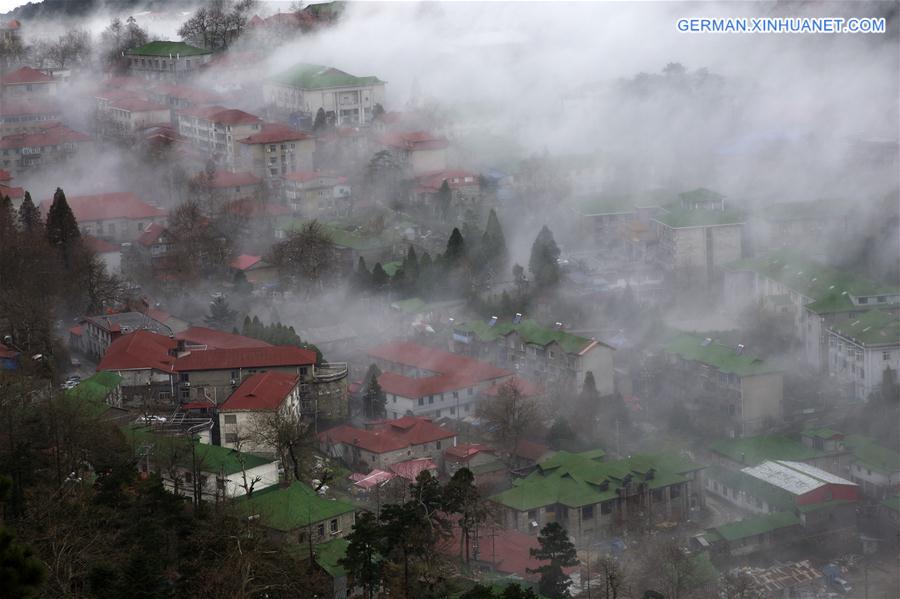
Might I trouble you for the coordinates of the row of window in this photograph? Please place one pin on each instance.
(320, 530)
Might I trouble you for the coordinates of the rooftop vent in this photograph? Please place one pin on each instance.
(517, 318)
(492, 321)
(558, 325)
(451, 320)
(739, 349)
(706, 341)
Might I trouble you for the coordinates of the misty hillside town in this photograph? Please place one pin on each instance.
(449, 300)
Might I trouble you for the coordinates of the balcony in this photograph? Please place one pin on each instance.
(330, 372)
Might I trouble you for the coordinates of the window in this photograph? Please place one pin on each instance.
(606, 507)
(674, 492)
(468, 407)
(886, 355)
(882, 299)
(863, 300)
(431, 399)
(532, 514)
(437, 414)
(437, 445)
(301, 538)
(334, 527)
(231, 437)
(230, 418)
(421, 401)
(321, 530)
(453, 411)
(471, 391)
(587, 512)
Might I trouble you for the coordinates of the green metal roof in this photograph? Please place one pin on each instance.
(164, 48)
(531, 332)
(701, 194)
(813, 209)
(828, 288)
(93, 391)
(329, 554)
(757, 526)
(212, 458)
(391, 268)
(872, 455)
(756, 450)
(576, 479)
(722, 357)
(871, 328)
(610, 204)
(313, 76)
(413, 305)
(823, 433)
(290, 508)
(678, 217)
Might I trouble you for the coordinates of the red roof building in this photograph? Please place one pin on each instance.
(51, 134)
(25, 76)
(213, 339)
(236, 358)
(414, 141)
(262, 392)
(456, 179)
(140, 350)
(120, 217)
(389, 442)
(410, 469)
(525, 387)
(427, 381)
(275, 133)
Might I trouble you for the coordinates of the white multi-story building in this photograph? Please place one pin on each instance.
(166, 61)
(860, 350)
(305, 88)
(260, 396)
(216, 130)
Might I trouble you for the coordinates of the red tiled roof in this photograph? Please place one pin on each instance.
(462, 452)
(431, 182)
(509, 550)
(387, 436)
(106, 206)
(245, 261)
(132, 104)
(14, 193)
(414, 140)
(138, 351)
(453, 371)
(151, 234)
(214, 339)
(245, 357)
(12, 24)
(98, 245)
(53, 134)
(530, 450)
(410, 469)
(223, 179)
(275, 133)
(220, 114)
(24, 75)
(264, 391)
(525, 387)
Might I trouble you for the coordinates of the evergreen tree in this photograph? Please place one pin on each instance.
(321, 121)
(379, 277)
(377, 111)
(29, 215)
(411, 264)
(7, 217)
(246, 327)
(560, 434)
(221, 316)
(374, 399)
(558, 550)
(543, 263)
(444, 198)
(493, 244)
(22, 574)
(62, 229)
(519, 278)
(362, 560)
(456, 249)
(461, 497)
(362, 278)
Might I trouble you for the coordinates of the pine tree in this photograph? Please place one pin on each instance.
(7, 218)
(29, 215)
(374, 398)
(456, 249)
(62, 229)
(560, 552)
(246, 327)
(411, 264)
(221, 316)
(321, 121)
(363, 559)
(543, 263)
(444, 198)
(379, 277)
(493, 244)
(362, 278)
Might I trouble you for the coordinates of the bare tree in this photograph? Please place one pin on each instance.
(217, 24)
(290, 435)
(510, 416)
(306, 256)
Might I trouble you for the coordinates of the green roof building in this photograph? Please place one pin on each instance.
(306, 88)
(537, 351)
(99, 394)
(698, 235)
(296, 512)
(751, 451)
(166, 61)
(727, 387)
(586, 494)
(861, 349)
(875, 468)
